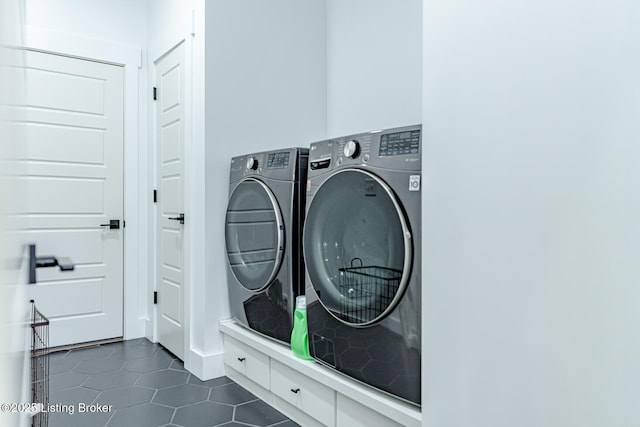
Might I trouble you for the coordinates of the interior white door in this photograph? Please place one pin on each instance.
(170, 146)
(73, 159)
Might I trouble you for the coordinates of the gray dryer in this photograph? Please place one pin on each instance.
(265, 268)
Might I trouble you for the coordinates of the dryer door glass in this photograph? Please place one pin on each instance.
(357, 247)
(254, 234)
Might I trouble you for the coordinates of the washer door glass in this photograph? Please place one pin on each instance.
(254, 234)
(357, 247)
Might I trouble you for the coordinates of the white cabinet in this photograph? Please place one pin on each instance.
(350, 413)
(248, 361)
(305, 391)
(308, 395)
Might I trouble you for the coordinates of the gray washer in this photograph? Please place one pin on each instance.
(263, 223)
(362, 250)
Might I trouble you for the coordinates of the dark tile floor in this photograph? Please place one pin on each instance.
(141, 384)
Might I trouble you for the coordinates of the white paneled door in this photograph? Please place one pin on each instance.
(73, 120)
(170, 146)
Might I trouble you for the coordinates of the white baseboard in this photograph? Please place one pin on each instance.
(136, 329)
(149, 331)
(205, 367)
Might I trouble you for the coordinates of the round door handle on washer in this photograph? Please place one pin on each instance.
(351, 149)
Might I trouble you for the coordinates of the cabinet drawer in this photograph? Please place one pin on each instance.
(304, 393)
(249, 362)
(350, 413)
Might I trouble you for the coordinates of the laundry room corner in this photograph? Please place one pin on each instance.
(374, 65)
(264, 88)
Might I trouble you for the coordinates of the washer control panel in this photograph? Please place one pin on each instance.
(392, 149)
(353, 150)
(399, 143)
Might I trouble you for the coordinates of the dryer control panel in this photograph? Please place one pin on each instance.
(278, 160)
(280, 164)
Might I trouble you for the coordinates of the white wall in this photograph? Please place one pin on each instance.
(266, 76)
(531, 233)
(14, 306)
(120, 21)
(374, 68)
(113, 31)
(168, 22)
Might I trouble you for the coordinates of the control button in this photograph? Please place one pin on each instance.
(339, 160)
(252, 163)
(366, 158)
(351, 149)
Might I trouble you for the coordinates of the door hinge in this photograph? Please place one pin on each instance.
(155, 297)
(155, 196)
(155, 93)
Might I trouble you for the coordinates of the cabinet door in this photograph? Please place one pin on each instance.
(249, 362)
(350, 413)
(306, 394)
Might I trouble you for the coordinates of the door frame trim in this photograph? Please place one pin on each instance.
(135, 145)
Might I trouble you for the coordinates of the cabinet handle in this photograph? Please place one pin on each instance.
(241, 359)
(295, 390)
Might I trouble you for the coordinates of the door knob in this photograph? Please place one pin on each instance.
(179, 218)
(114, 224)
